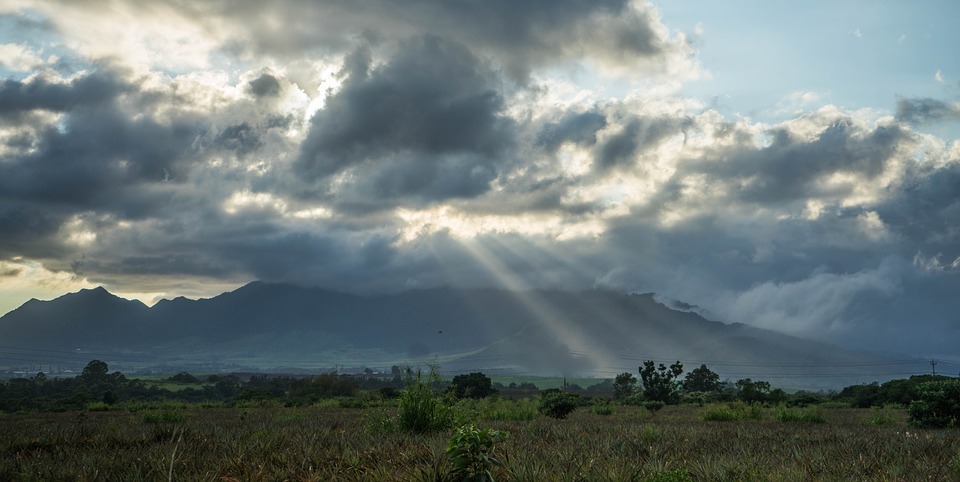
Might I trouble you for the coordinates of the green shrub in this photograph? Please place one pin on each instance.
(421, 409)
(722, 414)
(558, 404)
(98, 407)
(469, 452)
(785, 414)
(937, 405)
(603, 408)
(653, 406)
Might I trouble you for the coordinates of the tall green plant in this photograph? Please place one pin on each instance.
(421, 408)
(469, 452)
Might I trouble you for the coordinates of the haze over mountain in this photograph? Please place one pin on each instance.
(281, 327)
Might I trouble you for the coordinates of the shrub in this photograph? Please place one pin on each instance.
(558, 404)
(421, 409)
(469, 452)
(653, 406)
(732, 412)
(602, 408)
(722, 414)
(785, 414)
(937, 405)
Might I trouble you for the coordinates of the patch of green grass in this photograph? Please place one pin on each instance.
(805, 415)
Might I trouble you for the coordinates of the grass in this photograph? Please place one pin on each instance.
(805, 415)
(332, 443)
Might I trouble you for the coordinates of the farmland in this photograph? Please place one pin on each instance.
(267, 441)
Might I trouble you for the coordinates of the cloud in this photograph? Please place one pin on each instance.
(40, 93)
(265, 85)
(427, 123)
(375, 146)
(520, 36)
(926, 110)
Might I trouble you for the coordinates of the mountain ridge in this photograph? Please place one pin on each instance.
(535, 332)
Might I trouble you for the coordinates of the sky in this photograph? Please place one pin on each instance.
(793, 166)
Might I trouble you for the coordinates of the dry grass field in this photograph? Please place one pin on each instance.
(332, 443)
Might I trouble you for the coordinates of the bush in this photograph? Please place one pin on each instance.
(937, 405)
(602, 408)
(558, 404)
(785, 414)
(421, 409)
(732, 412)
(469, 452)
(722, 414)
(653, 406)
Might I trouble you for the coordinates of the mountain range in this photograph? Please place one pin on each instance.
(280, 327)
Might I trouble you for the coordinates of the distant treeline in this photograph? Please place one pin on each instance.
(96, 385)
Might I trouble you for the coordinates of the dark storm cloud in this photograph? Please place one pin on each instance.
(926, 210)
(95, 152)
(926, 110)
(793, 168)
(521, 35)
(430, 115)
(28, 229)
(265, 85)
(577, 127)
(39, 93)
(241, 138)
(637, 135)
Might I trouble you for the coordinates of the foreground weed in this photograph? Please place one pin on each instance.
(469, 452)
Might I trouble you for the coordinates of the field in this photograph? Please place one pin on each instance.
(334, 443)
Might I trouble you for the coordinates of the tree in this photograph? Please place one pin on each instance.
(473, 385)
(753, 391)
(659, 382)
(95, 371)
(184, 377)
(624, 386)
(702, 379)
(937, 405)
(556, 404)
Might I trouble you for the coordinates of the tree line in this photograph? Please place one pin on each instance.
(657, 385)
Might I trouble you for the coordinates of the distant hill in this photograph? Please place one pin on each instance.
(279, 326)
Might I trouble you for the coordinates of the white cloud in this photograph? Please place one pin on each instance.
(19, 57)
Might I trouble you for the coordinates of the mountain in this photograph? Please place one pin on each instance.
(279, 326)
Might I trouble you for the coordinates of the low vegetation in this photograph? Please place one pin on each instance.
(329, 428)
